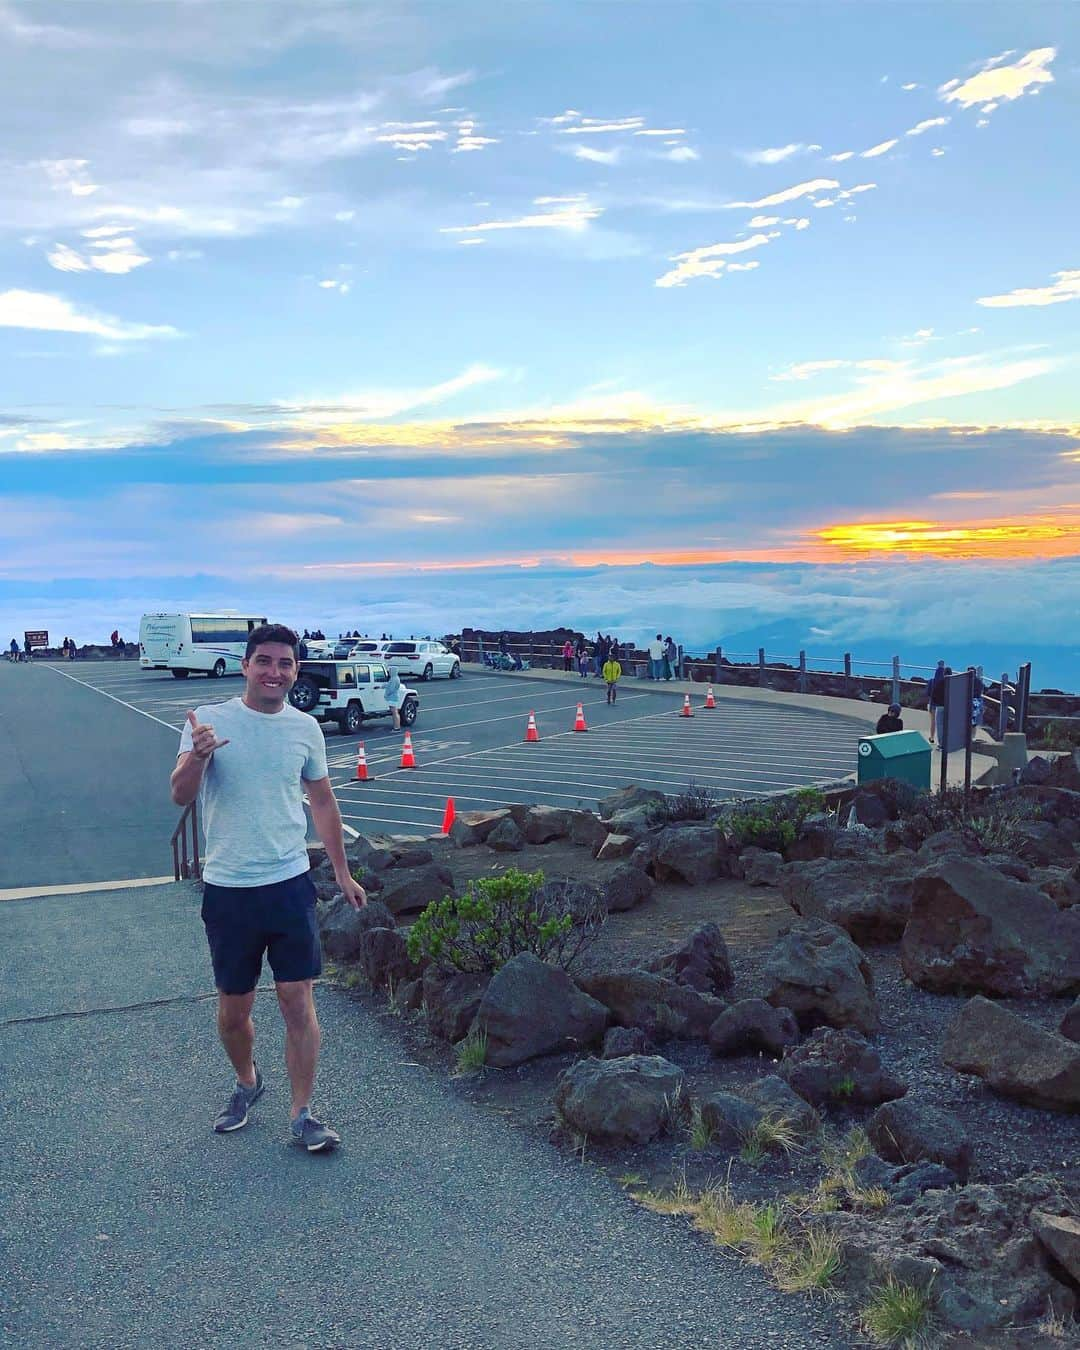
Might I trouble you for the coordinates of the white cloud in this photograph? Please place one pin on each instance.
(825, 201)
(763, 222)
(937, 152)
(843, 155)
(775, 155)
(375, 404)
(117, 257)
(920, 127)
(592, 126)
(288, 203)
(573, 216)
(805, 370)
(661, 131)
(680, 154)
(344, 215)
(996, 81)
(594, 156)
(709, 261)
(104, 231)
(791, 194)
(65, 259)
(853, 191)
(52, 313)
(881, 149)
(800, 222)
(743, 266)
(907, 88)
(69, 175)
(1066, 286)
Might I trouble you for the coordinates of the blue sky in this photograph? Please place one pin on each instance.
(310, 295)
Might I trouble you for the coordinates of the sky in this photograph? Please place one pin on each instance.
(472, 311)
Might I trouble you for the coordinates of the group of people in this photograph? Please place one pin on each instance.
(935, 704)
(318, 635)
(585, 657)
(663, 658)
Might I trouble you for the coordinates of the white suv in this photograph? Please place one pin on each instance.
(347, 692)
(422, 659)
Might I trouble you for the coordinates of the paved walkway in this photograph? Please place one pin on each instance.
(125, 1222)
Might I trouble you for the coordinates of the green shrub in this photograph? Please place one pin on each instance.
(771, 822)
(498, 918)
(993, 819)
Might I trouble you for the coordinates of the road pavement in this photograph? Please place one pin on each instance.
(125, 1222)
(86, 750)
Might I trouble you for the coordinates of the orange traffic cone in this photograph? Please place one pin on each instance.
(448, 816)
(408, 759)
(531, 733)
(361, 765)
(579, 721)
(687, 711)
(710, 702)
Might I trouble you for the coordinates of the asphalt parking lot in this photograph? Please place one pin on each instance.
(469, 742)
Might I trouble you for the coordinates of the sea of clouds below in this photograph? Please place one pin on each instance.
(871, 610)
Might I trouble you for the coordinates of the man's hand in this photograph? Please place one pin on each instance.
(352, 891)
(204, 740)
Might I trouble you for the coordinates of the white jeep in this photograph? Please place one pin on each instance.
(346, 692)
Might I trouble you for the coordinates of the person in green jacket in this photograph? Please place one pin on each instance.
(612, 673)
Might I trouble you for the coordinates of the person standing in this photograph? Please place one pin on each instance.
(671, 658)
(14, 650)
(656, 658)
(393, 696)
(600, 653)
(935, 699)
(583, 659)
(568, 655)
(250, 760)
(612, 673)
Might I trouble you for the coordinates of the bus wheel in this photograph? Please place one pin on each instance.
(218, 670)
(180, 674)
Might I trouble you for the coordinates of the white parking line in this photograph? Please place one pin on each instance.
(102, 692)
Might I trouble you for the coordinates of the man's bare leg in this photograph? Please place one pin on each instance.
(302, 1040)
(237, 1032)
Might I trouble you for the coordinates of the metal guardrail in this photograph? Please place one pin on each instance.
(1010, 698)
(187, 864)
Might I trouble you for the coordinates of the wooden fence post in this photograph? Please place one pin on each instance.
(761, 667)
(1003, 707)
(802, 672)
(847, 672)
(719, 672)
(895, 680)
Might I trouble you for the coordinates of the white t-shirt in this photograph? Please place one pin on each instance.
(656, 650)
(251, 796)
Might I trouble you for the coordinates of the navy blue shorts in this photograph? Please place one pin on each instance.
(243, 922)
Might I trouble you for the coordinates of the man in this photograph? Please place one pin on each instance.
(656, 658)
(890, 721)
(935, 700)
(249, 768)
(612, 675)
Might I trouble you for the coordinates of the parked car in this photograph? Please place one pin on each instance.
(422, 659)
(348, 692)
(344, 648)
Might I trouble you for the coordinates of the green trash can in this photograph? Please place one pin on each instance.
(898, 754)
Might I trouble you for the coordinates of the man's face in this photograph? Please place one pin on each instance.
(270, 672)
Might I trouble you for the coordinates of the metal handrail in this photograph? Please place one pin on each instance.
(185, 867)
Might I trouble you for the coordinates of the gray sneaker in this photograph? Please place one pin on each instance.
(312, 1133)
(235, 1115)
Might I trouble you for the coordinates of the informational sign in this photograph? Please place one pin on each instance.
(37, 637)
(956, 731)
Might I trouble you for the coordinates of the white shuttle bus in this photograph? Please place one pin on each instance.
(212, 644)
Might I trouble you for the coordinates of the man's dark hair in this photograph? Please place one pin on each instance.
(272, 632)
